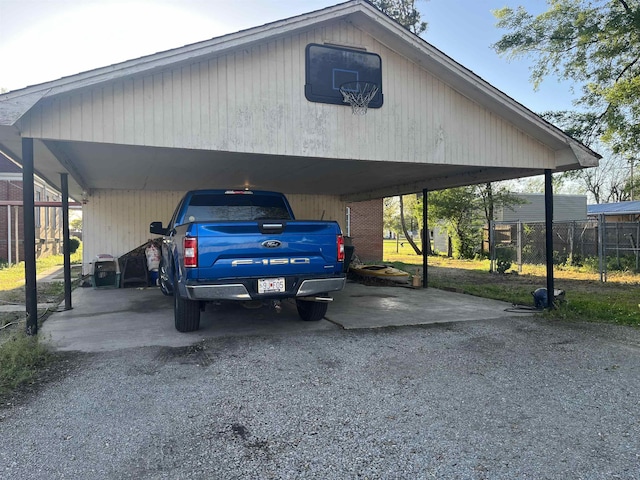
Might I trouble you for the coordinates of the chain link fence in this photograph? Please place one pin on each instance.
(595, 244)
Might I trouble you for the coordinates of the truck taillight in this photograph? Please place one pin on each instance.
(340, 248)
(190, 252)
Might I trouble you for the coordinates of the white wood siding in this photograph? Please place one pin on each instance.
(117, 221)
(319, 207)
(252, 100)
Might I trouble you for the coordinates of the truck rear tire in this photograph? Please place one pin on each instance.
(186, 312)
(311, 311)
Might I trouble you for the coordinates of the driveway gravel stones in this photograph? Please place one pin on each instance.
(498, 399)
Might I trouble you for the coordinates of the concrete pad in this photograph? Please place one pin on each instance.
(18, 307)
(113, 319)
(361, 306)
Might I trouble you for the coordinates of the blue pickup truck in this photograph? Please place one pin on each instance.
(244, 245)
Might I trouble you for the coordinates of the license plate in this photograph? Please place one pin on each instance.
(271, 285)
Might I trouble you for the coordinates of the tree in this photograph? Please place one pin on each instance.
(596, 44)
(610, 180)
(495, 195)
(76, 224)
(403, 222)
(404, 12)
(463, 210)
(391, 215)
(460, 209)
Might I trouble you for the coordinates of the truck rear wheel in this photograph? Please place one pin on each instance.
(311, 311)
(186, 312)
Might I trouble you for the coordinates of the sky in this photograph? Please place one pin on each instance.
(43, 40)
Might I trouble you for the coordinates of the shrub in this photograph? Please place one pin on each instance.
(623, 263)
(74, 244)
(504, 257)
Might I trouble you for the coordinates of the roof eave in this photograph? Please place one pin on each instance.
(361, 14)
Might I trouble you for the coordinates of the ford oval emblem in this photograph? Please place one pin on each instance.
(271, 243)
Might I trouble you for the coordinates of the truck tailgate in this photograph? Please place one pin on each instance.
(261, 249)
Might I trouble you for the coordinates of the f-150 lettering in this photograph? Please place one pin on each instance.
(271, 261)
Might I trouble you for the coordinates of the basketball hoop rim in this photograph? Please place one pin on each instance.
(360, 96)
(365, 83)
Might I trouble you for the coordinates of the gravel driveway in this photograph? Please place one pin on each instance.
(515, 398)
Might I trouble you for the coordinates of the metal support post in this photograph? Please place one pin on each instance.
(66, 248)
(31, 288)
(548, 213)
(492, 246)
(426, 238)
(519, 247)
(602, 248)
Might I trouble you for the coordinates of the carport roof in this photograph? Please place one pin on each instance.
(53, 156)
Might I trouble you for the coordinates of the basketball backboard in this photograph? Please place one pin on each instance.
(328, 67)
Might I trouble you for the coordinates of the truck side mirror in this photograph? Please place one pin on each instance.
(157, 228)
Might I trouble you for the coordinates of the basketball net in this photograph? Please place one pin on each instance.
(358, 95)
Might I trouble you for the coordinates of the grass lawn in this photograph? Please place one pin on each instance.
(22, 358)
(616, 301)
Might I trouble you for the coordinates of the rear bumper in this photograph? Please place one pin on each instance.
(246, 289)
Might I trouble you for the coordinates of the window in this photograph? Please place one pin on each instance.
(220, 207)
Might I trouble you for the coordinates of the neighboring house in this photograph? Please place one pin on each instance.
(565, 208)
(616, 212)
(48, 219)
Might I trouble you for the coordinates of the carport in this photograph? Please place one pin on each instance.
(234, 111)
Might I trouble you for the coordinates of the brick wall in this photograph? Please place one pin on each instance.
(366, 229)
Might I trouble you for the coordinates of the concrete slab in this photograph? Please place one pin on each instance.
(19, 307)
(361, 306)
(113, 319)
